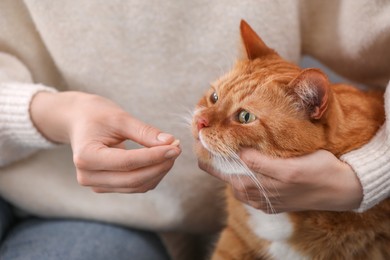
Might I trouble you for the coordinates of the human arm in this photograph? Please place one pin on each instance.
(18, 137)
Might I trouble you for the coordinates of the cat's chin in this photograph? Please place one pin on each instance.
(202, 153)
(229, 166)
(224, 165)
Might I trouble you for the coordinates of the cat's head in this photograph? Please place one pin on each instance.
(265, 103)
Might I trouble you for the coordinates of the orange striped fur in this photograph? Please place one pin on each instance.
(297, 112)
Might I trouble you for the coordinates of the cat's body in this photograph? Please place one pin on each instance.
(273, 106)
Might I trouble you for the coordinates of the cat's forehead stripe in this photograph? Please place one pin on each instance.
(243, 86)
(232, 82)
(252, 77)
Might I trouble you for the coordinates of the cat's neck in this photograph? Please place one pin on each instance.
(352, 118)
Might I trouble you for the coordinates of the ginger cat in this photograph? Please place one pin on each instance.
(282, 110)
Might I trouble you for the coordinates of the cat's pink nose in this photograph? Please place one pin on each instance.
(202, 122)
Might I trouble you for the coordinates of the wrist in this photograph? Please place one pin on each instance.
(351, 191)
(49, 114)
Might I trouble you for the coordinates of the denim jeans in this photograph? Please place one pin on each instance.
(52, 239)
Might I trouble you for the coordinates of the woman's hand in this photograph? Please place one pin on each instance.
(318, 181)
(96, 129)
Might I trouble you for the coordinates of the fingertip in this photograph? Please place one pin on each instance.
(172, 153)
(176, 142)
(165, 138)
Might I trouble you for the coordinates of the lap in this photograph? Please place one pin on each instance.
(6, 218)
(77, 239)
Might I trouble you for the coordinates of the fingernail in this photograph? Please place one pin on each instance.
(163, 137)
(176, 142)
(171, 154)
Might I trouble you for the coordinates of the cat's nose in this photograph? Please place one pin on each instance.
(202, 122)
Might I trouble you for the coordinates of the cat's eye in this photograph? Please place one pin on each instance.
(214, 97)
(244, 117)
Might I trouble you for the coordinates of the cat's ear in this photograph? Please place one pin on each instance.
(253, 44)
(312, 87)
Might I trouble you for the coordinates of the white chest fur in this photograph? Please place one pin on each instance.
(276, 228)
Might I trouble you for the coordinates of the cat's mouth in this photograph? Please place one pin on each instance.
(226, 164)
(203, 142)
(213, 149)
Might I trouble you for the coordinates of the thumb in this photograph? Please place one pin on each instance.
(145, 134)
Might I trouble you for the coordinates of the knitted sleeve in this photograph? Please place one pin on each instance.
(18, 136)
(372, 163)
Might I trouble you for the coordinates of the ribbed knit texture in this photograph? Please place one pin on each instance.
(372, 164)
(372, 168)
(18, 136)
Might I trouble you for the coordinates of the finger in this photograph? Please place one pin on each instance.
(125, 180)
(121, 145)
(113, 159)
(260, 205)
(142, 189)
(255, 193)
(117, 190)
(272, 167)
(145, 134)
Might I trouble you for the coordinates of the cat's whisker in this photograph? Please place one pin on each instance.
(247, 172)
(252, 175)
(228, 162)
(261, 189)
(234, 155)
(231, 175)
(185, 118)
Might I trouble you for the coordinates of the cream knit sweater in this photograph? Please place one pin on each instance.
(155, 59)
